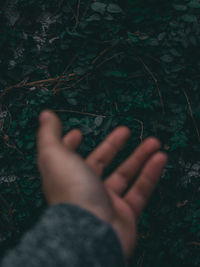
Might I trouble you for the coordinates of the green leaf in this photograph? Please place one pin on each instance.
(39, 202)
(20, 143)
(94, 17)
(72, 94)
(99, 7)
(98, 121)
(114, 8)
(167, 58)
(72, 101)
(79, 71)
(176, 68)
(28, 69)
(153, 42)
(30, 145)
(134, 38)
(175, 53)
(194, 4)
(161, 36)
(73, 121)
(74, 33)
(179, 7)
(86, 130)
(109, 17)
(189, 18)
(116, 73)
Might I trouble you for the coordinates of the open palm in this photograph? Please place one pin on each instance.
(67, 177)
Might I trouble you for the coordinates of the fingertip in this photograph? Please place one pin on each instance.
(162, 157)
(124, 127)
(165, 156)
(44, 115)
(154, 140)
(78, 132)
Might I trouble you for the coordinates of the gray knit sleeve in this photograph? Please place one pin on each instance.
(67, 235)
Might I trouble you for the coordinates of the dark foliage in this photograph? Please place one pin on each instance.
(99, 65)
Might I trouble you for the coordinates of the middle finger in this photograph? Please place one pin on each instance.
(107, 150)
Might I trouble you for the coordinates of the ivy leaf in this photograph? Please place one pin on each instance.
(98, 121)
(73, 121)
(109, 17)
(28, 69)
(20, 143)
(174, 52)
(86, 130)
(71, 94)
(30, 145)
(72, 101)
(166, 58)
(180, 7)
(99, 7)
(176, 68)
(79, 71)
(189, 18)
(134, 38)
(94, 17)
(116, 73)
(153, 42)
(114, 8)
(161, 36)
(194, 4)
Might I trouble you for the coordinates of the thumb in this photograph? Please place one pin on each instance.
(50, 130)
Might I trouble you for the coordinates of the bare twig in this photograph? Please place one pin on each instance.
(9, 209)
(107, 59)
(191, 114)
(63, 74)
(99, 55)
(36, 83)
(142, 128)
(21, 195)
(20, 84)
(86, 76)
(156, 82)
(74, 15)
(103, 52)
(86, 10)
(194, 243)
(79, 112)
(77, 16)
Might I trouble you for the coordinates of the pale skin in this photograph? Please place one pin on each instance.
(68, 178)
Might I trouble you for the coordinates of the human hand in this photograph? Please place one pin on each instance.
(68, 178)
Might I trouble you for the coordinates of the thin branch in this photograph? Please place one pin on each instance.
(156, 82)
(74, 15)
(35, 83)
(99, 55)
(86, 10)
(79, 112)
(21, 195)
(194, 243)
(20, 84)
(142, 128)
(63, 74)
(107, 59)
(72, 84)
(9, 209)
(103, 52)
(77, 16)
(191, 114)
